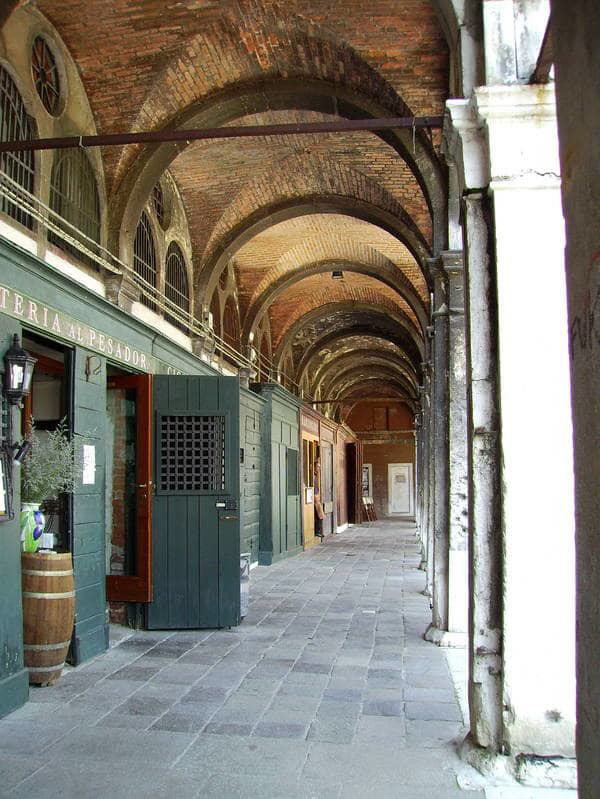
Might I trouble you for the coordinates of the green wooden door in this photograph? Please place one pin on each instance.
(196, 524)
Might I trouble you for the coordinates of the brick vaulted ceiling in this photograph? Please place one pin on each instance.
(284, 211)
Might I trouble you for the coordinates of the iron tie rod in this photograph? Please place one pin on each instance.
(234, 132)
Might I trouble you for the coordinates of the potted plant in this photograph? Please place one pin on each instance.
(48, 469)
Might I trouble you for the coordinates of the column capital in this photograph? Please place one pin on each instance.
(522, 135)
(464, 145)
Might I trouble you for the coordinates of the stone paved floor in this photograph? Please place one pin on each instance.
(327, 689)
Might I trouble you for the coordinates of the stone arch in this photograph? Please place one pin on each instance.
(262, 219)
(316, 175)
(350, 331)
(282, 93)
(354, 301)
(389, 275)
(325, 376)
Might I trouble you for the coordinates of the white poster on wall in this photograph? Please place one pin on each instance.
(89, 464)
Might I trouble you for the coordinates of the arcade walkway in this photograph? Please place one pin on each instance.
(326, 690)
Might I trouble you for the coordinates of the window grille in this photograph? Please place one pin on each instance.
(192, 453)
(15, 124)
(144, 259)
(45, 75)
(158, 201)
(74, 197)
(176, 284)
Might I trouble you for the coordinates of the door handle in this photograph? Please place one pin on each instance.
(229, 518)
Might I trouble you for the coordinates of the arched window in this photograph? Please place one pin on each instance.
(144, 259)
(176, 284)
(74, 197)
(231, 324)
(19, 167)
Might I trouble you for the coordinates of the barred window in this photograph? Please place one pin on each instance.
(144, 260)
(15, 124)
(74, 197)
(176, 284)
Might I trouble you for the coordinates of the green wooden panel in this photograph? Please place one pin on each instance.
(195, 564)
(90, 635)
(14, 680)
(86, 536)
(206, 523)
(91, 569)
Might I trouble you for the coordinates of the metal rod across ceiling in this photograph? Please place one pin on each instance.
(233, 132)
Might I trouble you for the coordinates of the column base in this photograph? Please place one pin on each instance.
(533, 771)
(445, 638)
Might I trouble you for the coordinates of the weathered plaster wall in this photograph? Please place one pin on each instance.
(576, 27)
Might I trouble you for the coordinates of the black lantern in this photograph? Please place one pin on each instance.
(18, 372)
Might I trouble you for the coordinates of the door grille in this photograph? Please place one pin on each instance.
(192, 453)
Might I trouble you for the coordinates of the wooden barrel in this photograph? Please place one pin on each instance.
(48, 613)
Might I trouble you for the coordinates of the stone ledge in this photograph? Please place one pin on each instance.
(445, 638)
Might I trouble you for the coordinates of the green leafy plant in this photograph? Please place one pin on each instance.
(51, 465)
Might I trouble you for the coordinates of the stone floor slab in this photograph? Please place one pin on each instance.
(327, 689)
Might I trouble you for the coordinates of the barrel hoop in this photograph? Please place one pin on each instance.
(40, 595)
(37, 573)
(45, 647)
(46, 668)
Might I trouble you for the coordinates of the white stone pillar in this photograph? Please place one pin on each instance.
(536, 438)
(522, 679)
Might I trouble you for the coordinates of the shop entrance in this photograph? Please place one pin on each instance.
(174, 527)
(129, 498)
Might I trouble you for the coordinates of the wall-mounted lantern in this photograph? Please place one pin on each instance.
(18, 372)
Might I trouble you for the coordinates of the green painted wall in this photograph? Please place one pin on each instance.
(280, 530)
(14, 679)
(89, 540)
(251, 427)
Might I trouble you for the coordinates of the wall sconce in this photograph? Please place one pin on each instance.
(18, 372)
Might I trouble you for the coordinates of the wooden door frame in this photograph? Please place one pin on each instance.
(138, 587)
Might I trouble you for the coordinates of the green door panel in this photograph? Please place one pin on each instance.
(196, 516)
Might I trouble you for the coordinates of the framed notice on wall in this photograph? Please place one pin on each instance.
(5, 486)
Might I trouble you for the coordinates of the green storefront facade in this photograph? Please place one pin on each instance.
(259, 506)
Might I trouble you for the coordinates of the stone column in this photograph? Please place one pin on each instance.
(521, 505)
(534, 397)
(450, 628)
(483, 476)
(457, 454)
(429, 458)
(440, 443)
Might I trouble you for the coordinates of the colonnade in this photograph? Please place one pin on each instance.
(495, 515)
